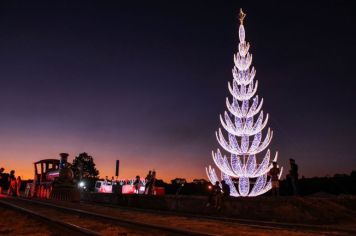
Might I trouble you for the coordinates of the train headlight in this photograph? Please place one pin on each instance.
(82, 184)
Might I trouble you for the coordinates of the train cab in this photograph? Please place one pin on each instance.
(45, 172)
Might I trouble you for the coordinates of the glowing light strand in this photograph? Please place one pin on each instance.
(233, 147)
(244, 131)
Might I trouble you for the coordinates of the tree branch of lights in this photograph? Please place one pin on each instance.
(244, 132)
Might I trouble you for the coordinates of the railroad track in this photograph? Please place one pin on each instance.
(60, 225)
(325, 229)
(33, 207)
(164, 230)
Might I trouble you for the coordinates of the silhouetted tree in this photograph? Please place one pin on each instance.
(84, 167)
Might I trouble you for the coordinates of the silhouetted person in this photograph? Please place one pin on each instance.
(225, 192)
(12, 184)
(18, 186)
(179, 188)
(217, 195)
(148, 181)
(274, 173)
(137, 184)
(293, 172)
(225, 189)
(152, 183)
(2, 180)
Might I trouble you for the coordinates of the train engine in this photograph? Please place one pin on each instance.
(54, 179)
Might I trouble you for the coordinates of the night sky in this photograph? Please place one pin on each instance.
(145, 82)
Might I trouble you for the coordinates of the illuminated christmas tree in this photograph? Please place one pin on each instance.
(241, 169)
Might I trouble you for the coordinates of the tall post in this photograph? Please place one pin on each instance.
(117, 168)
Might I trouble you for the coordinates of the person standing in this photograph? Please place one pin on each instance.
(12, 184)
(293, 172)
(217, 195)
(137, 184)
(151, 186)
(225, 192)
(225, 189)
(274, 173)
(18, 186)
(148, 181)
(2, 180)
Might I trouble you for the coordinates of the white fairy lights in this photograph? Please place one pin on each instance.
(244, 131)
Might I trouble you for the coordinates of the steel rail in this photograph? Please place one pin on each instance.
(72, 228)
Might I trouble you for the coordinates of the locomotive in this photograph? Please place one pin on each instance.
(54, 179)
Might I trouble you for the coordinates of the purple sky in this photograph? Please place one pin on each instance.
(145, 82)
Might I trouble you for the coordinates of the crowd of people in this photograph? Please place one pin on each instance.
(218, 194)
(10, 182)
(220, 191)
(291, 177)
(150, 182)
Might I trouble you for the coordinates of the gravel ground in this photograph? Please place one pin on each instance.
(18, 224)
(21, 224)
(203, 225)
(14, 223)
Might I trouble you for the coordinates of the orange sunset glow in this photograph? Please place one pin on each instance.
(19, 154)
